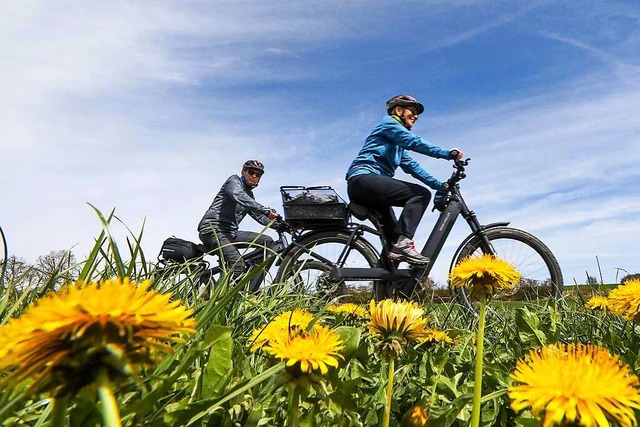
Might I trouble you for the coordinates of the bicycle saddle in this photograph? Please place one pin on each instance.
(359, 211)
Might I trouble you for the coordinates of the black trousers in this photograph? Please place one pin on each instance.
(380, 193)
(230, 243)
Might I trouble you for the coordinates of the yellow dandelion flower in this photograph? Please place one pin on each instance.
(396, 324)
(434, 336)
(575, 384)
(65, 338)
(307, 351)
(625, 300)
(416, 416)
(484, 276)
(296, 319)
(349, 308)
(598, 302)
(397, 319)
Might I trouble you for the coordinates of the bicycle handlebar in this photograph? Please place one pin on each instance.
(442, 196)
(282, 226)
(459, 174)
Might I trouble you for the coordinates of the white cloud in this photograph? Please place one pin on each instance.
(127, 105)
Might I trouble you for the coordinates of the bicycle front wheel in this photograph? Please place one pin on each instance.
(540, 272)
(309, 266)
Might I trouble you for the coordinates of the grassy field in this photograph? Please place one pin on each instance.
(214, 377)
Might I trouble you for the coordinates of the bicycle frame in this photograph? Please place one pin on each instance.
(431, 249)
(387, 271)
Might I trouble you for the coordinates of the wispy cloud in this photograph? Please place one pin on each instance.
(496, 22)
(626, 71)
(148, 106)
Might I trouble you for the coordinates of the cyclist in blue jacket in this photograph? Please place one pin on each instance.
(370, 179)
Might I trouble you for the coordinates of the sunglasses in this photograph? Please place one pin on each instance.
(254, 172)
(413, 113)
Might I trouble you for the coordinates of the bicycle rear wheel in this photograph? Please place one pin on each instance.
(309, 270)
(540, 272)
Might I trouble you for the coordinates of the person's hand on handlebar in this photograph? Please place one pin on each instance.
(455, 154)
(271, 214)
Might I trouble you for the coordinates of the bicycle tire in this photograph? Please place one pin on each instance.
(299, 266)
(541, 276)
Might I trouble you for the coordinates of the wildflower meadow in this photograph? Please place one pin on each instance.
(131, 343)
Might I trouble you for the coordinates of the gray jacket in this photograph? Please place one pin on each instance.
(232, 203)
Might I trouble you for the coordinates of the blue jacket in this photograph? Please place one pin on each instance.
(386, 148)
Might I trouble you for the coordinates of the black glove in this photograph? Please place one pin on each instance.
(440, 199)
(282, 227)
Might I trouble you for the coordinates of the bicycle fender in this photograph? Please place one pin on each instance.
(471, 236)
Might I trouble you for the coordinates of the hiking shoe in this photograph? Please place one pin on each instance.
(406, 251)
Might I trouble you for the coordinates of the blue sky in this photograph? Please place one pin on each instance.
(147, 106)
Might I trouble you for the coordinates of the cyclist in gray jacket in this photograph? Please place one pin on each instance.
(219, 227)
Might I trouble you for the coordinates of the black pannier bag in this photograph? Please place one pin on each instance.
(313, 207)
(179, 250)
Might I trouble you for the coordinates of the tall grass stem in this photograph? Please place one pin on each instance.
(477, 383)
(387, 406)
(294, 406)
(59, 412)
(108, 404)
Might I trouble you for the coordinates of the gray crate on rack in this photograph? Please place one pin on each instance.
(313, 207)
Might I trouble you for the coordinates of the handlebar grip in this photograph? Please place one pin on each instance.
(282, 226)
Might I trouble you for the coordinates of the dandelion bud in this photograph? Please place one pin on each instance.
(416, 416)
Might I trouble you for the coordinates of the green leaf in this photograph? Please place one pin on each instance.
(343, 398)
(177, 364)
(254, 416)
(636, 365)
(450, 384)
(526, 420)
(350, 336)
(612, 339)
(527, 323)
(219, 365)
(214, 405)
(446, 419)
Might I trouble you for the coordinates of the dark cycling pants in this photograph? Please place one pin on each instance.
(230, 243)
(380, 193)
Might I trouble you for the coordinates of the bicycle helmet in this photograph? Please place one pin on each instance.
(404, 101)
(253, 164)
